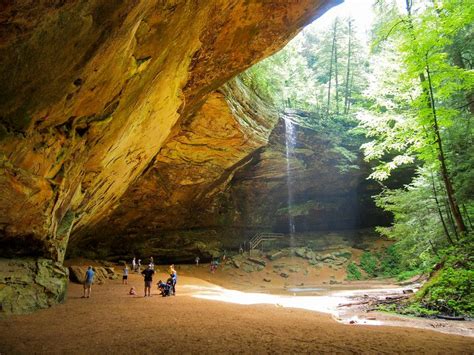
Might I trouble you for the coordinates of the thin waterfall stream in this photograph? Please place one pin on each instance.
(290, 140)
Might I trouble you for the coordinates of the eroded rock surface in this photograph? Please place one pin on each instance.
(91, 91)
(211, 189)
(29, 284)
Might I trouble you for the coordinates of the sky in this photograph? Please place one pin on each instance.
(359, 10)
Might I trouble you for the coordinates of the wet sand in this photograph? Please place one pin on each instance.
(111, 321)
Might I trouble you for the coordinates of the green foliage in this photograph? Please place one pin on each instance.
(353, 272)
(451, 289)
(421, 88)
(298, 76)
(415, 309)
(390, 262)
(453, 292)
(405, 275)
(416, 227)
(369, 264)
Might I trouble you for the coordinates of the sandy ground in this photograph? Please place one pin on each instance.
(111, 321)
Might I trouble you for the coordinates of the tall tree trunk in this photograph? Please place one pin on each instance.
(438, 207)
(348, 71)
(428, 92)
(451, 219)
(466, 213)
(336, 67)
(350, 92)
(330, 71)
(433, 247)
(441, 157)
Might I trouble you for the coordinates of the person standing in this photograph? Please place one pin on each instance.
(174, 278)
(197, 260)
(88, 282)
(139, 265)
(171, 270)
(134, 265)
(148, 273)
(152, 264)
(125, 275)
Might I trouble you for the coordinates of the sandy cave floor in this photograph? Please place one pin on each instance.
(112, 321)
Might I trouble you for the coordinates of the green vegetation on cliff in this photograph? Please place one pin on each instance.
(412, 95)
(421, 112)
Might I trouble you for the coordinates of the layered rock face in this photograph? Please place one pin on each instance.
(183, 187)
(91, 91)
(306, 179)
(237, 168)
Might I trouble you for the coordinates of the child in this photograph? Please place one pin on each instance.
(125, 275)
(132, 292)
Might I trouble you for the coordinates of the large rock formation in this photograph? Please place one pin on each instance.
(236, 168)
(311, 177)
(91, 91)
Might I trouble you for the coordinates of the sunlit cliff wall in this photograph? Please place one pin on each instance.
(90, 91)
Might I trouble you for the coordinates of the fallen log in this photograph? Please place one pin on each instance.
(354, 304)
(449, 317)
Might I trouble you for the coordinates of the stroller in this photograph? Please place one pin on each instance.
(166, 289)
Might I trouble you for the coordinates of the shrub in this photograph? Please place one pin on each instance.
(353, 272)
(368, 263)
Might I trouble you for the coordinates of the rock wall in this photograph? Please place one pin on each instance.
(91, 90)
(210, 189)
(28, 284)
(311, 179)
(181, 190)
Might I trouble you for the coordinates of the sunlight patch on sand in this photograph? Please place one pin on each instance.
(325, 304)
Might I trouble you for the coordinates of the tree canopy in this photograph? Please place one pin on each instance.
(411, 92)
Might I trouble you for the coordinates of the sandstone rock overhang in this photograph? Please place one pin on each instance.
(90, 92)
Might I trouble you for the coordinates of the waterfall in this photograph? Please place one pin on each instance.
(290, 140)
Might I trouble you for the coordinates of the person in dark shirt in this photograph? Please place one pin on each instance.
(148, 273)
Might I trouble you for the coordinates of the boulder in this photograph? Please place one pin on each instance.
(28, 284)
(313, 262)
(339, 261)
(346, 254)
(77, 273)
(275, 256)
(248, 268)
(257, 261)
(235, 263)
(327, 257)
(301, 252)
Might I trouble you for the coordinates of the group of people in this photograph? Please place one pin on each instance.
(166, 289)
(137, 264)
